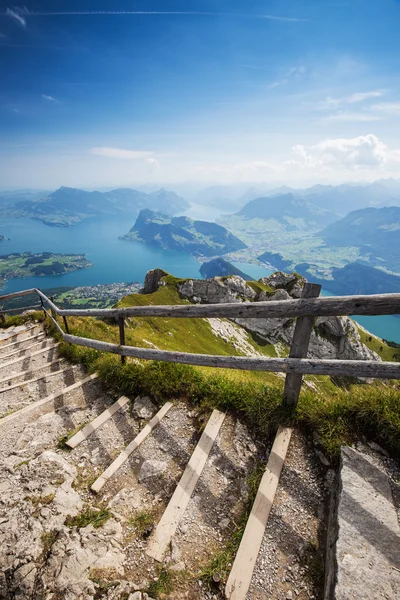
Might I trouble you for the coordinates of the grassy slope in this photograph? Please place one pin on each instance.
(336, 415)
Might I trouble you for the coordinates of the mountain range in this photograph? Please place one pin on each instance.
(199, 238)
(67, 206)
(376, 231)
(294, 213)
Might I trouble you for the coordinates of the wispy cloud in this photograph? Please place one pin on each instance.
(46, 13)
(392, 108)
(121, 153)
(16, 14)
(355, 98)
(353, 116)
(292, 72)
(49, 98)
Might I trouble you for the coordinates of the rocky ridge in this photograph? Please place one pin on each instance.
(332, 337)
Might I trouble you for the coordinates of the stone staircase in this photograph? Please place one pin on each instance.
(101, 497)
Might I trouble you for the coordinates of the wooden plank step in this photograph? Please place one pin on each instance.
(21, 373)
(176, 508)
(32, 337)
(17, 360)
(135, 443)
(97, 422)
(22, 383)
(243, 566)
(15, 352)
(50, 398)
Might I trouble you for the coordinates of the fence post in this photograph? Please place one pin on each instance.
(299, 348)
(121, 323)
(53, 312)
(65, 324)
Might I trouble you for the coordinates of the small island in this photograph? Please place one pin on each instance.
(27, 264)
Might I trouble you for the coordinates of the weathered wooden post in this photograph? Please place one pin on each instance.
(299, 348)
(66, 324)
(121, 323)
(53, 312)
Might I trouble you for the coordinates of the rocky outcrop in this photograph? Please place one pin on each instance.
(332, 337)
(217, 290)
(152, 280)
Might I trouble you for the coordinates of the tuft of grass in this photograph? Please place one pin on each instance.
(89, 516)
(142, 521)
(105, 579)
(18, 320)
(162, 586)
(48, 540)
(62, 441)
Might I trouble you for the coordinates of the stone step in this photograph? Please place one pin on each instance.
(125, 454)
(176, 508)
(43, 401)
(97, 422)
(243, 566)
(28, 375)
(24, 393)
(4, 348)
(24, 351)
(26, 363)
(363, 557)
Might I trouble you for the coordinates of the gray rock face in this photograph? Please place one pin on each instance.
(217, 290)
(151, 468)
(152, 280)
(143, 408)
(332, 337)
(364, 563)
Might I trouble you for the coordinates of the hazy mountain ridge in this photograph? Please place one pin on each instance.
(68, 206)
(376, 231)
(284, 208)
(199, 238)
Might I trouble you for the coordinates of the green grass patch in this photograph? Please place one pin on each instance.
(142, 521)
(259, 287)
(62, 440)
(386, 352)
(89, 516)
(18, 320)
(162, 586)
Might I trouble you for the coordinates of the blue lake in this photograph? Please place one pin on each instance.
(120, 261)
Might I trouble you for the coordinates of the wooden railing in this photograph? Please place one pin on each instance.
(305, 309)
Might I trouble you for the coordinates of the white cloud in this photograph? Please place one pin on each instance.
(392, 108)
(363, 152)
(120, 153)
(15, 15)
(49, 98)
(153, 162)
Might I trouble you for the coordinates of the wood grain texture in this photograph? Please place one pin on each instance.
(299, 347)
(243, 567)
(352, 368)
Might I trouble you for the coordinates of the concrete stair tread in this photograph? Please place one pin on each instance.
(45, 343)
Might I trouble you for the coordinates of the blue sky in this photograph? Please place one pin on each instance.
(99, 93)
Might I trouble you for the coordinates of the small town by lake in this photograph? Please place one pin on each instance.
(117, 261)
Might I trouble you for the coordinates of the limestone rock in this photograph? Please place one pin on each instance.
(143, 407)
(364, 563)
(152, 280)
(151, 468)
(217, 290)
